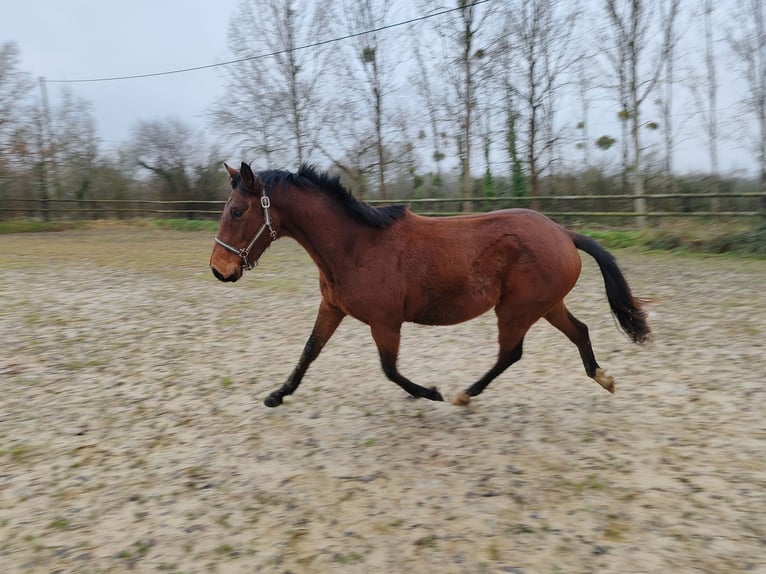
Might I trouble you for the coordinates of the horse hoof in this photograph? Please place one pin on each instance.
(273, 400)
(605, 380)
(461, 399)
(435, 395)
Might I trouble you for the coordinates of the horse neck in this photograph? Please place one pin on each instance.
(323, 228)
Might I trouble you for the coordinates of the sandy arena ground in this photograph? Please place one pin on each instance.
(133, 434)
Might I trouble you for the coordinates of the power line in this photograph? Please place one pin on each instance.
(268, 55)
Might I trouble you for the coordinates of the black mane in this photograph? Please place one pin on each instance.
(308, 177)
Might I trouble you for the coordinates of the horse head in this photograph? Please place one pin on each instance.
(241, 240)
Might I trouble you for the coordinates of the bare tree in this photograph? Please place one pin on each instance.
(59, 140)
(404, 172)
(628, 50)
(542, 52)
(182, 169)
(747, 39)
(370, 69)
(669, 19)
(710, 116)
(518, 179)
(704, 89)
(615, 50)
(168, 149)
(431, 93)
(273, 105)
(15, 90)
(485, 113)
(584, 84)
(507, 96)
(467, 38)
(74, 146)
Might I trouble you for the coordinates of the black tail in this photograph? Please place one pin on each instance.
(626, 308)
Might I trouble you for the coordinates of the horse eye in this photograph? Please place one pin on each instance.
(236, 212)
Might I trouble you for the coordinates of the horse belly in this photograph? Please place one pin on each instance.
(449, 306)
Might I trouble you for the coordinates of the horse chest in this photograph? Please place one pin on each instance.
(362, 296)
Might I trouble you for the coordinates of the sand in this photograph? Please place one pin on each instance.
(133, 434)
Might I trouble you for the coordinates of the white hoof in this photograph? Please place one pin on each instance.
(461, 399)
(604, 379)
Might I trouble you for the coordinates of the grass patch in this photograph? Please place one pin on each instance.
(616, 239)
(591, 482)
(226, 550)
(59, 523)
(690, 238)
(136, 551)
(428, 541)
(748, 242)
(350, 558)
(18, 452)
(186, 224)
(616, 531)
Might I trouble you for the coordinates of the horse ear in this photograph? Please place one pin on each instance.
(249, 179)
(232, 172)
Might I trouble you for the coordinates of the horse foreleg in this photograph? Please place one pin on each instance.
(387, 340)
(577, 332)
(327, 321)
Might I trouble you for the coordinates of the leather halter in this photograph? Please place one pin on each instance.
(245, 251)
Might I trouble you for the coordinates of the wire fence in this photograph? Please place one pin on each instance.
(608, 207)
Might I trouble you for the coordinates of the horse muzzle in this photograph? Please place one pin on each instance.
(231, 278)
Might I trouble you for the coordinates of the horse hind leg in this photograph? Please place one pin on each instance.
(577, 332)
(504, 360)
(511, 339)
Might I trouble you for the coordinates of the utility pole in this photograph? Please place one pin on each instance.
(45, 139)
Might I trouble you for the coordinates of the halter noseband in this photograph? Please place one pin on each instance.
(245, 251)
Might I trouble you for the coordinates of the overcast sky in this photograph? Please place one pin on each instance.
(75, 39)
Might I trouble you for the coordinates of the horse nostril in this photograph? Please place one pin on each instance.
(218, 275)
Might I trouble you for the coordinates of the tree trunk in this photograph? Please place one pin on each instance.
(467, 184)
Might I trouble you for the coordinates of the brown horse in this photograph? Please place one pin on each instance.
(385, 266)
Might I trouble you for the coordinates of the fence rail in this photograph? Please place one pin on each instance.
(106, 208)
(660, 205)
